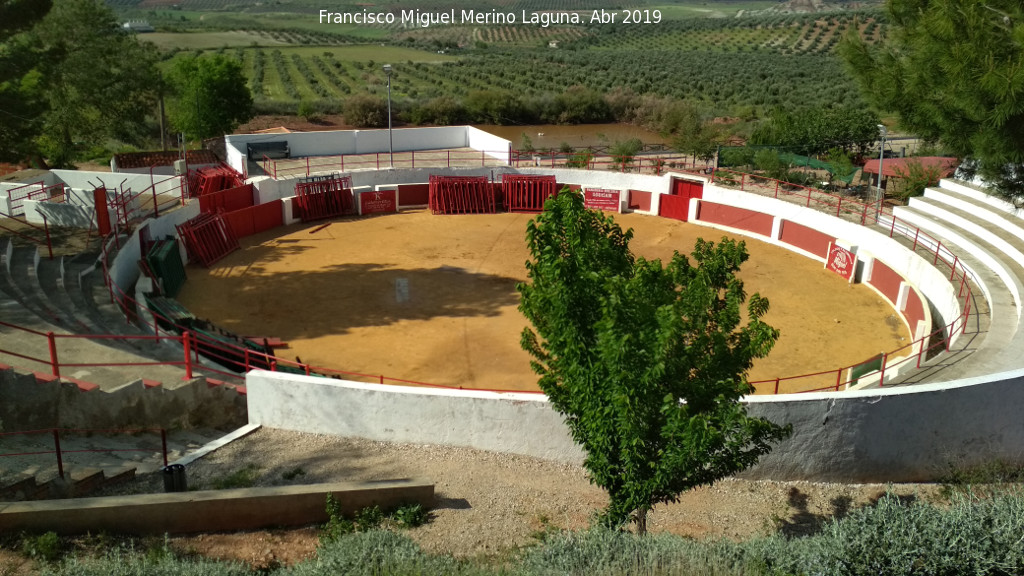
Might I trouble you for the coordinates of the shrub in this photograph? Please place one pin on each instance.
(45, 547)
(410, 516)
(241, 478)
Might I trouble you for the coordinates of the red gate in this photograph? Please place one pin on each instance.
(527, 192)
(461, 195)
(207, 238)
(324, 198)
(677, 205)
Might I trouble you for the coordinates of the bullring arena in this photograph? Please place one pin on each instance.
(390, 322)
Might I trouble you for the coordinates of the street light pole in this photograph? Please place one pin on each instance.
(391, 141)
(881, 157)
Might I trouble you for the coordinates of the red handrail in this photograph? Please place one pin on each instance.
(45, 228)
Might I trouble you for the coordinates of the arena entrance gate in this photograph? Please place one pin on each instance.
(322, 197)
(461, 195)
(527, 192)
(207, 238)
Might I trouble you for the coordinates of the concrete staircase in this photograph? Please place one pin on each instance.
(104, 383)
(90, 463)
(988, 237)
(67, 295)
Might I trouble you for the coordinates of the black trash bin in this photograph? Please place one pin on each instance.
(174, 478)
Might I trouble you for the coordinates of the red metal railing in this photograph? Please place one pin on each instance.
(45, 229)
(870, 215)
(60, 452)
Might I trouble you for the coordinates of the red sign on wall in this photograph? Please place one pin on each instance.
(841, 261)
(602, 199)
(379, 202)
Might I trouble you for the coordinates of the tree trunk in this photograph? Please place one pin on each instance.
(641, 521)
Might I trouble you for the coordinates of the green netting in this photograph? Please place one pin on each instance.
(733, 156)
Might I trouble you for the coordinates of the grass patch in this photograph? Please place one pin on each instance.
(241, 478)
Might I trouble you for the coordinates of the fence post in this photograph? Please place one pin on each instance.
(776, 385)
(839, 378)
(156, 209)
(920, 350)
(246, 359)
(881, 371)
(307, 165)
(381, 378)
(938, 246)
(186, 341)
(46, 229)
(449, 158)
(163, 444)
(54, 364)
(963, 279)
(378, 160)
(776, 188)
(60, 459)
(342, 162)
(952, 273)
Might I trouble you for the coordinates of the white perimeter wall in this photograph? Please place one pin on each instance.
(518, 423)
(887, 435)
(893, 435)
(338, 142)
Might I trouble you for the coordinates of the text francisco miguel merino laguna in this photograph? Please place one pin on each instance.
(479, 17)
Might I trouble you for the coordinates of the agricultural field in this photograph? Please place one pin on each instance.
(729, 66)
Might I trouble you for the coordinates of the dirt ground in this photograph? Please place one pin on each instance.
(432, 299)
(487, 503)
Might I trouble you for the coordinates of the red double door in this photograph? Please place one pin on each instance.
(677, 204)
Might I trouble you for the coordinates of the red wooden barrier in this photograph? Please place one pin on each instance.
(526, 192)
(207, 238)
(461, 195)
(324, 199)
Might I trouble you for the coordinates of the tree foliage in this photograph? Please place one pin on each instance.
(647, 363)
(953, 70)
(695, 135)
(366, 111)
(811, 131)
(211, 97)
(95, 82)
(20, 105)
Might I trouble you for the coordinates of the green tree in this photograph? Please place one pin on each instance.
(646, 363)
(366, 111)
(695, 136)
(813, 131)
(623, 152)
(96, 82)
(211, 97)
(20, 100)
(951, 70)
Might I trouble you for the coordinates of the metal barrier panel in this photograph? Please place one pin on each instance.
(461, 195)
(527, 193)
(325, 198)
(207, 238)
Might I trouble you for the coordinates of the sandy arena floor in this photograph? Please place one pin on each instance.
(432, 298)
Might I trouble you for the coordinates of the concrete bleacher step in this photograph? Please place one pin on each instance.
(965, 204)
(50, 285)
(12, 270)
(993, 271)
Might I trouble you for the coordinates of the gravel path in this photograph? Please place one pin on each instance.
(490, 503)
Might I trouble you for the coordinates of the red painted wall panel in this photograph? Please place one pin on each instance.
(639, 200)
(413, 194)
(734, 217)
(255, 219)
(227, 200)
(885, 280)
(915, 309)
(675, 207)
(805, 238)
